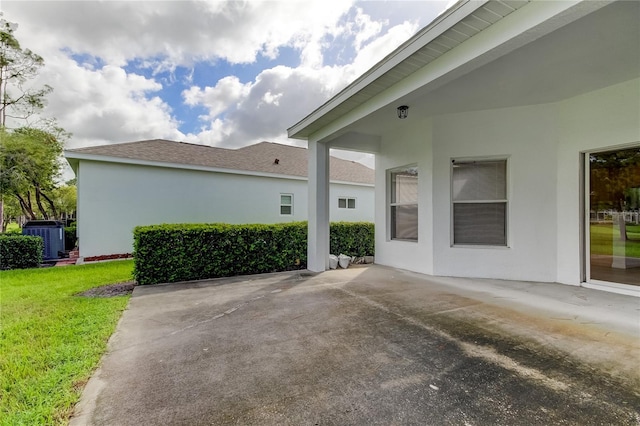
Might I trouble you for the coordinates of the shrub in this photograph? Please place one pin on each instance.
(20, 251)
(184, 252)
(170, 253)
(70, 237)
(352, 238)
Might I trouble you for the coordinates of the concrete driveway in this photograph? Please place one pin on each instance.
(370, 345)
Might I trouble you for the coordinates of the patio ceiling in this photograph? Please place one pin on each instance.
(436, 39)
(594, 52)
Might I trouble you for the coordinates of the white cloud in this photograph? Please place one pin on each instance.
(88, 45)
(266, 107)
(281, 96)
(227, 92)
(174, 32)
(365, 28)
(382, 46)
(105, 105)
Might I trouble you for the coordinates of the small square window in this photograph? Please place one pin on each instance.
(286, 204)
(346, 203)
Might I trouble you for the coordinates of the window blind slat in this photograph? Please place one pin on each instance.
(480, 181)
(404, 219)
(480, 223)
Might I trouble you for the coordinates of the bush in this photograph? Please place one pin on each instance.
(170, 253)
(70, 237)
(352, 238)
(184, 252)
(20, 251)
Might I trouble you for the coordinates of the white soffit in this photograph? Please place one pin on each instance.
(456, 25)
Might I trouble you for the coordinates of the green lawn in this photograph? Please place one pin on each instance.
(13, 227)
(603, 235)
(50, 340)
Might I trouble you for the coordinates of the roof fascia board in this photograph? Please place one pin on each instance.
(438, 26)
(535, 20)
(342, 182)
(76, 157)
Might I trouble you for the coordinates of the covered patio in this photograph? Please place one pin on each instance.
(533, 90)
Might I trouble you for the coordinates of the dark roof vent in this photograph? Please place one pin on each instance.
(276, 161)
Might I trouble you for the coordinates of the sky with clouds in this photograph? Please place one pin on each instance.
(220, 73)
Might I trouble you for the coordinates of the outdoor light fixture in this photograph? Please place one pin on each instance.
(403, 112)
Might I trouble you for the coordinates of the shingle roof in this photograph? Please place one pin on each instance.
(260, 157)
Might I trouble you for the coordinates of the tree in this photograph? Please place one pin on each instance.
(615, 175)
(64, 199)
(11, 210)
(29, 167)
(17, 67)
(29, 155)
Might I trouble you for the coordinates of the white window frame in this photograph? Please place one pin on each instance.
(504, 201)
(286, 205)
(346, 203)
(391, 203)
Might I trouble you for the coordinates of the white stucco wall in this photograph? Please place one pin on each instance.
(542, 144)
(115, 198)
(525, 136)
(409, 145)
(599, 120)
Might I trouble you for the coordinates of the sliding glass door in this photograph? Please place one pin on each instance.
(614, 210)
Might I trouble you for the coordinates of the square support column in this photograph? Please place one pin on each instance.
(318, 232)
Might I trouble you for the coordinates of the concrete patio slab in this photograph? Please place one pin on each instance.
(369, 345)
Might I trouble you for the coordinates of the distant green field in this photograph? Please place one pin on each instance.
(603, 235)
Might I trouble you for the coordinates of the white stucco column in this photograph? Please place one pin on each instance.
(318, 240)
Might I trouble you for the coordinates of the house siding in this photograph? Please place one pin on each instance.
(115, 198)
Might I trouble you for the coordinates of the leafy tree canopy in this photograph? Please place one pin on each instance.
(30, 151)
(29, 168)
(18, 66)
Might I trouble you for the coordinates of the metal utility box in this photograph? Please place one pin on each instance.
(51, 232)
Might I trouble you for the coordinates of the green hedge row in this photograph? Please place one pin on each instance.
(351, 238)
(20, 251)
(70, 237)
(184, 252)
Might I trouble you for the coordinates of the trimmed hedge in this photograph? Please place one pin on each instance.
(70, 237)
(20, 251)
(170, 253)
(185, 252)
(352, 238)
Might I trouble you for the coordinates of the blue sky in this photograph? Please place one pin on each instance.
(217, 73)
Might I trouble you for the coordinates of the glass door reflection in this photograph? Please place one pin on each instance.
(614, 225)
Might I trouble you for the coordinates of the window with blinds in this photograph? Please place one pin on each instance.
(403, 203)
(286, 204)
(479, 202)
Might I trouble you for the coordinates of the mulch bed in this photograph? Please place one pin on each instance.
(108, 257)
(111, 290)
